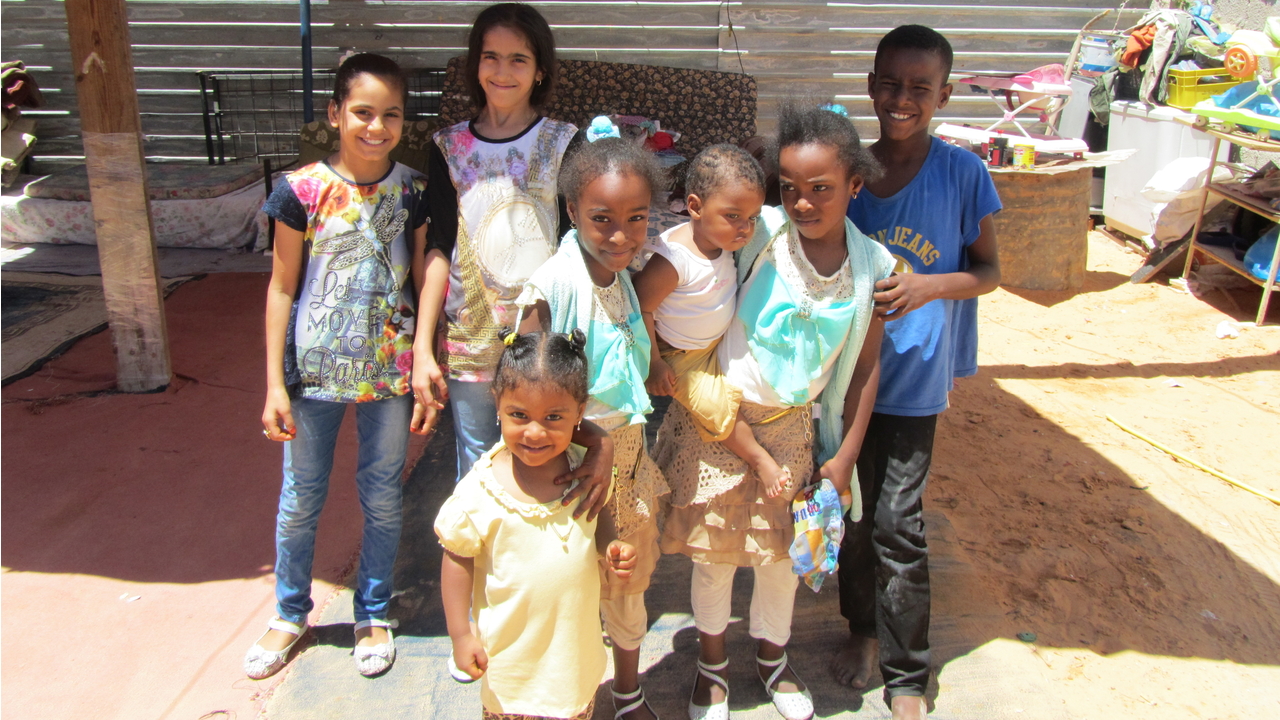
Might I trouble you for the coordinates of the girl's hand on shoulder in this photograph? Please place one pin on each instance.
(838, 472)
(596, 471)
(901, 293)
(429, 388)
(621, 557)
(277, 416)
(469, 656)
(662, 380)
(424, 419)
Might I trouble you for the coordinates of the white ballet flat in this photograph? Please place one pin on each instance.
(376, 659)
(719, 711)
(631, 700)
(261, 663)
(790, 705)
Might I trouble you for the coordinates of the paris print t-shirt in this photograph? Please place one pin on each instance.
(350, 336)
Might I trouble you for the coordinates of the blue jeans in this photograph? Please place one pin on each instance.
(475, 421)
(383, 429)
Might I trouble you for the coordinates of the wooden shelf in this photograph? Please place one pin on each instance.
(1236, 137)
(1247, 202)
(1227, 256)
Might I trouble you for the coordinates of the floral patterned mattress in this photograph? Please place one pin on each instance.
(192, 206)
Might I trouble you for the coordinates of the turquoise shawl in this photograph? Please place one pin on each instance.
(618, 357)
(788, 340)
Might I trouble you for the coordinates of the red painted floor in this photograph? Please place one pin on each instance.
(137, 529)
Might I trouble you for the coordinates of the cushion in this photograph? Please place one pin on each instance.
(705, 106)
(165, 181)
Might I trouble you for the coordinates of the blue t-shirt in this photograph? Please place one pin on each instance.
(927, 227)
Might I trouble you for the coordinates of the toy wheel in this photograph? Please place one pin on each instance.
(1240, 62)
(1201, 122)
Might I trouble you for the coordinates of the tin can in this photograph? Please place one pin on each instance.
(1024, 156)
(999, 152)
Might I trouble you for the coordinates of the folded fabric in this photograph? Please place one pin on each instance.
(1139, 40)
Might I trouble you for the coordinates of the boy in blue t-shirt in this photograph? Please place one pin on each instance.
(932, 210)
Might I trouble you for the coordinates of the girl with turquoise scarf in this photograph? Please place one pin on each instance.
(804, 347)
(609, 185)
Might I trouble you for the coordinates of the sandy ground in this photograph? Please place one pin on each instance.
(1152, 587)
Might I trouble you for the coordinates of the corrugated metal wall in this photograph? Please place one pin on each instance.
(798, 46)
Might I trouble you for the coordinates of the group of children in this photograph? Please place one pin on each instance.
(766, 325)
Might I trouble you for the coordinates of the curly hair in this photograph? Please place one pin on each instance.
(916, 37)
(718, 166)
(528, 23)
(543, 358)
(605, 156)
(812, 124)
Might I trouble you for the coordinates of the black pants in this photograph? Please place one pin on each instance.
(884, 561)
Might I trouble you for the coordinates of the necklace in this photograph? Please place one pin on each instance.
(564, 539)
(606, 299)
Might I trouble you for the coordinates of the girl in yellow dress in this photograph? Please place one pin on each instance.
(516, 558)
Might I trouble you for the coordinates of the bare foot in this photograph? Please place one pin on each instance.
(857, 661)
(774, 476)
(909, 707)
(371, 636)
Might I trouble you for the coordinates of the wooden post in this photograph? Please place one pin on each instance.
(112, 131)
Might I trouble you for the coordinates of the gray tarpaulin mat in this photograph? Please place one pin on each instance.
(174, 262)
(978, 675)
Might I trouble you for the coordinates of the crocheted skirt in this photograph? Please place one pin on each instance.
(718, 511)
(635, 505)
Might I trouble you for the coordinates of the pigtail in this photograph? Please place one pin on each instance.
(542, 357)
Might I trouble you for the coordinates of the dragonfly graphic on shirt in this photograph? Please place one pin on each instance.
(372, 238)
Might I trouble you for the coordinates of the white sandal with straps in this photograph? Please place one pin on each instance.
(376, 659)
(260, 662)
(790, 705)
(719, 711)
(632, 700)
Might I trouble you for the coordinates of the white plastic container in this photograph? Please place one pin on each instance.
(1096, 56)
(1159, 139)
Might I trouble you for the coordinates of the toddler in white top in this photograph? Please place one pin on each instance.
(687, 292)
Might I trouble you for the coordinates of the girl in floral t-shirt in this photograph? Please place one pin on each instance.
(349, 257)
(494, 213)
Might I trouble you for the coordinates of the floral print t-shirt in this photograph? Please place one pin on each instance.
(507, 221)
(350, 336)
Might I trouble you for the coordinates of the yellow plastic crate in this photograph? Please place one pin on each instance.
(1185, 88)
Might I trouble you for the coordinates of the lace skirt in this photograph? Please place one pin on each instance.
(635, 505)
(717, 511)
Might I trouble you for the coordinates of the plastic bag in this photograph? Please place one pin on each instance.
(1175, 190)
(1257, 259)
(818, 513)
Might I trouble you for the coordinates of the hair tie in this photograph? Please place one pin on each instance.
(602, 127)
(835, 108)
